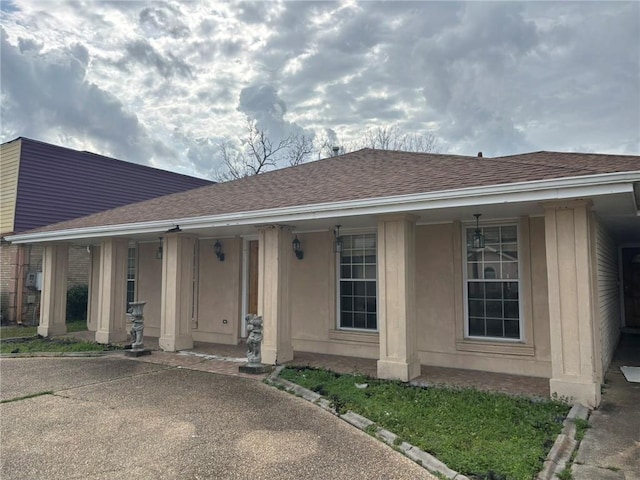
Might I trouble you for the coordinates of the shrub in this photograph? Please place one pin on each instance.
(77, 298)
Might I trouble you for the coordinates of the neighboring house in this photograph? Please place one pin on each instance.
(42, 184)
(390, 263)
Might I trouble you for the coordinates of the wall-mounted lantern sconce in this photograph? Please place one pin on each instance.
(159, 250)
(337, 245)
(217, 248)
(478, 237)
(297, 248)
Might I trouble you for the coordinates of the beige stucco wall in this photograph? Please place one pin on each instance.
(149, 286)
(439, 301)
(440, 305)
(219, 293)
(313, 303)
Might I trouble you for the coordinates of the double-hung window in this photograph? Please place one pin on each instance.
(357, 270)
(132, 264)
(492, 284)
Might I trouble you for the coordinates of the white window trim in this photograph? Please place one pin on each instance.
(133, 246)
(465, 282)
(349, 232)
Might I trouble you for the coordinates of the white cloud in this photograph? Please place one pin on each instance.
(167, 81)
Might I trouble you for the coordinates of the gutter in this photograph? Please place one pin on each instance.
(537, 191)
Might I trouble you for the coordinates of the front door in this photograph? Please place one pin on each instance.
(631, 286)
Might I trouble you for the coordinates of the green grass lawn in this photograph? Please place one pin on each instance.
(479, 434)
(38, 344)
(14, 331)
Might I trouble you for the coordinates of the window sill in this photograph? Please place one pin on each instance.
(353, 336)
(495, 347)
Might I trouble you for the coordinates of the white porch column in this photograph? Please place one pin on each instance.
(396, 298)
(177, 294)
(569, 246)
(53, 305)
(94, 289)
(112, 291)
(274, 257)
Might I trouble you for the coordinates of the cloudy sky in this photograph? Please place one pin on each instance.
(164, 83)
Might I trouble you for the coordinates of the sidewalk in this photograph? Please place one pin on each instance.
(610, 449)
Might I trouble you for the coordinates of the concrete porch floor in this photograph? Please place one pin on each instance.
(226, 354)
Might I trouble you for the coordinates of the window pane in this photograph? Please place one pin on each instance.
(346, 288)
(494, 309)
(509, 252)
(476, 308)
(509, 233)
(346, 304)
(511, 290)
(476, 327)
(359, 304)
(359, 288)
(491, 271)
(494, 328)
(491, 235)
(473, 270)
(476, 290)
(372, 321)
(511, 309)
(370, 271)
(359, 320)
(493, 290)
(490, 254)
(357, 271)
(345, 271)
(346, 319)
(371, 305)
(371, 289)
(512, 329)
(510, 270)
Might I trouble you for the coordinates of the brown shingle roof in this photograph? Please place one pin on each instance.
(359, 175)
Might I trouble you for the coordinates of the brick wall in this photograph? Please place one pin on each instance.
(78, 273)
(10, 271)
(8, 259)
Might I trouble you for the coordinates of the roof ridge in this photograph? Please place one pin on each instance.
(538, 164)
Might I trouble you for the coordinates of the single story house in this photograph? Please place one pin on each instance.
(524, 264)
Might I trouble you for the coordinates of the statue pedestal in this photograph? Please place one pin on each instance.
(255, 368)
(136, 352)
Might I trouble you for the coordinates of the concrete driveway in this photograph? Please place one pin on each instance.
(113, 417)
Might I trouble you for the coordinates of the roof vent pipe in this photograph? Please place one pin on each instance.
(335, 150)
(479, 154)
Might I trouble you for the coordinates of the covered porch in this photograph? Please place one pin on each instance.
(398, 299)
(225, 359)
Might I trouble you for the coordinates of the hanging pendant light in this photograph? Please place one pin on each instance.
(478, 237)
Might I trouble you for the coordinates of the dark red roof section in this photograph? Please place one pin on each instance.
(360, 175)
(57, 184)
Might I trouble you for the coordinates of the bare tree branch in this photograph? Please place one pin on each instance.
(258, 152)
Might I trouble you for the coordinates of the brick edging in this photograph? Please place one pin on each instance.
(422, 458)
(565, 444)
